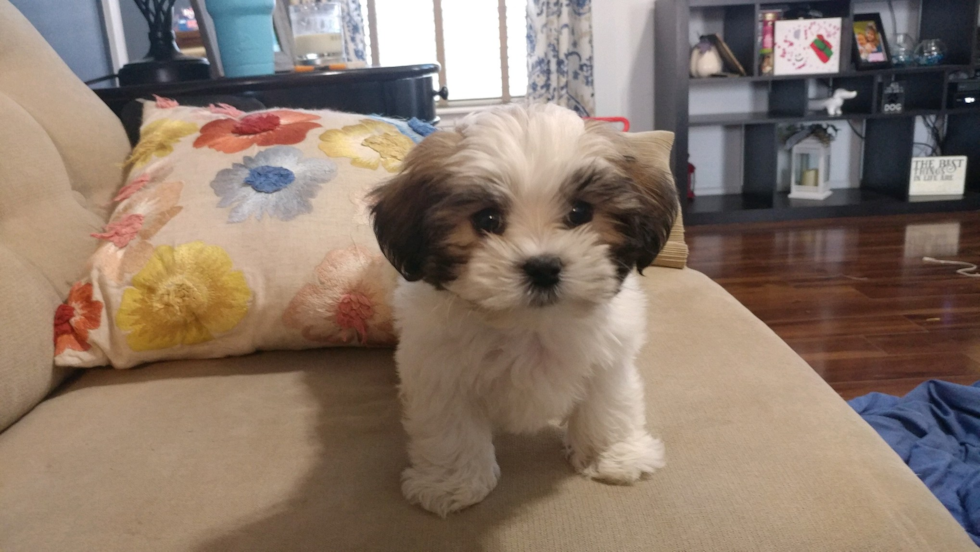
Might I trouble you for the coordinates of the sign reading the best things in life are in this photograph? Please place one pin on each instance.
(937, 176)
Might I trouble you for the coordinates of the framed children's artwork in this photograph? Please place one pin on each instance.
(807, 46)
(870, 44)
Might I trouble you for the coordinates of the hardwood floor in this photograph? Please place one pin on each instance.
(853, 296)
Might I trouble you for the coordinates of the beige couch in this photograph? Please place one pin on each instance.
(286, 451)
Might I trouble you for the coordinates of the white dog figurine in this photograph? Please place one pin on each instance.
(517, 234)
(834, 104)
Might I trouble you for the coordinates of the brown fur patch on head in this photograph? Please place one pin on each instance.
(422, 218)
(634, 196)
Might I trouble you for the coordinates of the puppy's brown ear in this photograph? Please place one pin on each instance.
(400, 207)
(646, 160)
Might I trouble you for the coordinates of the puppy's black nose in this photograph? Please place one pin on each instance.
(543, 271)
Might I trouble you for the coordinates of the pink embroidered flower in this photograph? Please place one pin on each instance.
(165, 103)
(116, 264)
(136, 221)
(154, 173)
(74, 318)
(353, 311)
(348, 304)
(134, 186)
(143, 215)
(226, 110)
(122, 231)
(156, 205)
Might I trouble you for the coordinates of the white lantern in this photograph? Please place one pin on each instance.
(810, 170)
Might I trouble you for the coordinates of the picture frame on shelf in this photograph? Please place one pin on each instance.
(283, 43)
(870, 42)
(732, 65)
(807, 46)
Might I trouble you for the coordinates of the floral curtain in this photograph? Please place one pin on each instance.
(355, 48)
(559, 53)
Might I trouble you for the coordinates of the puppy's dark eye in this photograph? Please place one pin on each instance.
(489, 220)
(580, 214)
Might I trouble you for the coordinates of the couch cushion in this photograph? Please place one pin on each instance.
(40, 217)
(302, 451)
(62, 151)
(44, 245)
(27, 300)
(90, 140)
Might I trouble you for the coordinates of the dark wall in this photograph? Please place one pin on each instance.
(74, 29)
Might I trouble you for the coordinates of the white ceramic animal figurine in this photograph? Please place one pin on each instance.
(705, 59)
(834, 104)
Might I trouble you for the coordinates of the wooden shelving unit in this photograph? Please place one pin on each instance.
(888, 138)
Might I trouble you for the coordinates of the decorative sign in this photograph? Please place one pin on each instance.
(807, 46)
(893, 98)
(935, 176)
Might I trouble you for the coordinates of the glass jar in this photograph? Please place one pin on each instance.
(317, 33)
(930, 52)
(903, 50)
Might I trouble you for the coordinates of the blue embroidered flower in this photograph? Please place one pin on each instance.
(268, 179)
(278, 182)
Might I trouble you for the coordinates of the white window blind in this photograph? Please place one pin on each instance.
(481, 44)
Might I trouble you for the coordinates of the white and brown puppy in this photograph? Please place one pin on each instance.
(517, 234)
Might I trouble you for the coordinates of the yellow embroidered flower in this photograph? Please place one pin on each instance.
(183, 296)
(158, 138)
(368, 144)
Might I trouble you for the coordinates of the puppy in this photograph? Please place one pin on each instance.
(517, 234)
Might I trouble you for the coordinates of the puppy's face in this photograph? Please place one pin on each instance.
(526, 208)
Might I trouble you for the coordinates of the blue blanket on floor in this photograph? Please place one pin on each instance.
(936, 431)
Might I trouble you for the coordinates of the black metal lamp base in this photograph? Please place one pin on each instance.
(175, 69)
(163, 63)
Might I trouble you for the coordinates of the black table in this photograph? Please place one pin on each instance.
(404, 92)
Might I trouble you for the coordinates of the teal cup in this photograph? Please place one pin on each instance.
(245, 36)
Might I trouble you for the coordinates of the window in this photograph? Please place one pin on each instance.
(481, 44)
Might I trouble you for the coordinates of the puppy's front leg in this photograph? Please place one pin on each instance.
(450, 448)
(607, 437)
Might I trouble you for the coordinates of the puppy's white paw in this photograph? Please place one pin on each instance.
(624, 462)
(443, 491)
(578, 459)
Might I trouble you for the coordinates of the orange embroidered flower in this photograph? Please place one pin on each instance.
(74, 318)
(348, 304)
(269, 128)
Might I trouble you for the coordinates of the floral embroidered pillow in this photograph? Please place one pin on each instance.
(237, 232)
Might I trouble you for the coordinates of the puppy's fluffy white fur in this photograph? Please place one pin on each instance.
(482, 347)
